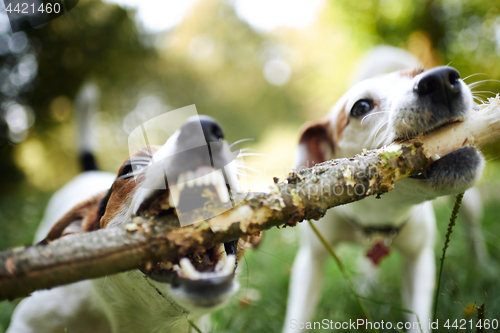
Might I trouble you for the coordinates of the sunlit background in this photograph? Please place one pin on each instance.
(261, 68)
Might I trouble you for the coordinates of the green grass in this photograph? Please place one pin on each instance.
(264, 273)
(463, 284)
(20, 213)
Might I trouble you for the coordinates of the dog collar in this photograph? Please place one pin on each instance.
(380, 240)
(387, 230)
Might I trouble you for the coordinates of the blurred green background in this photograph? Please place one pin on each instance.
(261, 68)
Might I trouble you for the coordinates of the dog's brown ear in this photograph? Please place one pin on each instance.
(81, 218)
(316, 143)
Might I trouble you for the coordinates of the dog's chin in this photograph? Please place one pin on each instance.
(453, 173)
(204, 297)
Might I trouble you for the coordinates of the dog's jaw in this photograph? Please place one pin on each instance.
(411, 115)
(399, 112)
(201, 282)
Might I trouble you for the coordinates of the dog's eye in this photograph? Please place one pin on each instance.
(132, 168)
(361, 107)
(126, 170)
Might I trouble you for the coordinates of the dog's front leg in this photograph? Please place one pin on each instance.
(418, 287)
(305, 284)
(416, 243)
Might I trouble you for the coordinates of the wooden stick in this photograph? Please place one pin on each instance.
(305, 194)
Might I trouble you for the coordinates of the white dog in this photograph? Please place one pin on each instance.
(375, 112)
(167, 295)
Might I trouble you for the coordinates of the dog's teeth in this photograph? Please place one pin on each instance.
(188, 269)
(210, 178)
(181, 178)
(190, 179)
(229, 264)
(435, 157)
(175, 193)
(166, 265)
(207, 179)
(180, 186)
(222, 192)
(198, 181)
(220, 186)
(222, 261)
(176, 268)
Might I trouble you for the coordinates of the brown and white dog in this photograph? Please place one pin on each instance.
(168, 295)
(373, 113)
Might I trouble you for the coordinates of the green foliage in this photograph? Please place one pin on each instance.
(93, 41)
(100, 42)
(464, 282)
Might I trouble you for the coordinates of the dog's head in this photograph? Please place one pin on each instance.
(386, 108)
(186, 176)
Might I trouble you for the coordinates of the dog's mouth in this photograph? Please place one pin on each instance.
(431, 129)
(426, 175)
(213, 267)
(440, 125)
(194, 192)
(203, 189)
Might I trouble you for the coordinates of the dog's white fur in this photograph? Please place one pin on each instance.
(406, 207)
(128, 302)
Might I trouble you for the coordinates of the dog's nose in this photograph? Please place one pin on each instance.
(441, 84)
(211, 130)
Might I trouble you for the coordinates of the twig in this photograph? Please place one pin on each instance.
(480, 319)
(453, 219)
(331, 250)
(192, 325)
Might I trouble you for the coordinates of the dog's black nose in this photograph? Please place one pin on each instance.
(190, 131)
(211, 130)
(441, 84)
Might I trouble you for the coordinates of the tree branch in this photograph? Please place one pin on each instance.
(305, 194)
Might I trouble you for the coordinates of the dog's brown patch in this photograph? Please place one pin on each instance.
(317, 137)
(123, 188)
(82, 218)
(411, 73)
(86, 216)
(341, 124)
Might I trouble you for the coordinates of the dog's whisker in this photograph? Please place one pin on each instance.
(250, 154)
(480, 96)
(474, 84)
(484, 92)
(247, 167)
(371, 114)
(240, 141)
(104, 283)
(141, 159)
(380, 127)
(465, 78)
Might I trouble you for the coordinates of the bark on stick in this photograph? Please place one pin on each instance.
(305, 194)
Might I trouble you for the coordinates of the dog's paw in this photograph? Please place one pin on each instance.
(455, 172)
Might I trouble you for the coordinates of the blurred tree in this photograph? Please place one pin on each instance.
(17, 69)
(217, 61)
(95, 41)
(463, 34)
